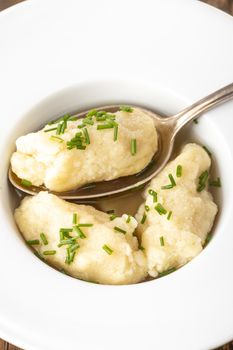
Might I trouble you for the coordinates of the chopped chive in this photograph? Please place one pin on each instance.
(39, 256)
(164, 273)
(173, 183)
(88, 121)
(74, 218)
(112, 217)
(52, 129)
(86, 135)
(161, 241)
(63, 126)
(72, 119)
(160, 209)
(195, 121)
(167, 187)
(207, 151)
(33, 242)
(215, 183)
(49, 252)
(58, 132)
(143, 218)
(118, 229)
(107, 249)
(147, 208)
(80, 126)
(111, 211)
(71, 240)
(56, 138)
(169, 215)
(85, 225)
(67, 261)
(101, 113)
(43, 238)
(133, 147)
(79, 232)
(105, 126)
(91, 113)
(179, 171)
(154, 194)
(202, 181)
(126, 109)
(100, 118)
(128, 219)
(73, 247)
(26, 183)
(115, 132)
(141, 247)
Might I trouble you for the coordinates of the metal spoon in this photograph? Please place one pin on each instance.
(167, 128)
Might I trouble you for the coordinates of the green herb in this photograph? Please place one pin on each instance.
(161, 241)
(171, 185)
(74, 218)
(147, 208)
(160, 209)
(91, 112)
(115, 132)
(107, 249)
(207, 151)
(126, 109)
(56, 138)
(100, 114)
(179, 171)
(52, 129)
(74, 247)
(26, 183)
(49, 252)
(202, 181)
(164, 273)
(118, 229)
(141, 247)
(195, 121)
(85, 225)
(64, 232)
(61, 119)
(58, 132)
(43, 238)
(154, 194)
(33, 242)
(76, 142)
(105, 126)
(101, 118)
(72, 119)
(169, 215)
(70, 256)
(167, 187)
(133, 147)
(79, 232)
(68, 241)
(215, 183)
(88, 121)
(143, 219)
(63, 126)
(112, 217)
(111, 211)
(80, 126)
(86, 135)
(128, 219)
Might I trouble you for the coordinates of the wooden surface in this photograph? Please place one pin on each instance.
(225, 5)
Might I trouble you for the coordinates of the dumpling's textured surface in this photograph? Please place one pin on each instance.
(173, 241)
(46, 213)
(43, 157)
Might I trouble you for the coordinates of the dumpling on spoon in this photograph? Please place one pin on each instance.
(69, 153)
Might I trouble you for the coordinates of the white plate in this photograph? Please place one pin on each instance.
(165, 54)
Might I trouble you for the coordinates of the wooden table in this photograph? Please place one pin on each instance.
(225, 5)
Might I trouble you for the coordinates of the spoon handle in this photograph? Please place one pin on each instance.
(208, 102)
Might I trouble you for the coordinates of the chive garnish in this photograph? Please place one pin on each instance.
(215, 183)
(115, 132)
(143, 218)
(107, 249)
(202, 181)
(133, 147)
(169, 215)
(154, 194)
(79, 232)
(91, 112)
(80, 126)
(112, 217)
(147, 208)
(86, 135)
(58, 132)
(33, 242)
(74, 247)
(161, 241)
(49, 252)
(167, 187)
(164, 273)
(88, 121)
(128, 219)
(118, 229)
(179, 171)
(69, 241)
(56, 138)
(141, 247)
(160, 209)
(43, 238)
(52, 129)
(100, 113)
(63, 126)
(76, 142)
(85, 225)
(105, 126)
(126, 109)
(26, 183)
(100, 118)
(171, 185)
(74, 218)
(207, 151)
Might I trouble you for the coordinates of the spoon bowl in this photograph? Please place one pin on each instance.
(167, 129)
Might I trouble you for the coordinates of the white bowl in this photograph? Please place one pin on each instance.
(63, 56)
